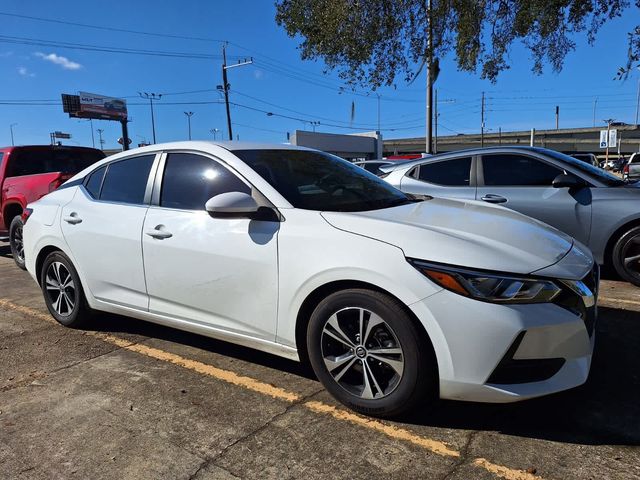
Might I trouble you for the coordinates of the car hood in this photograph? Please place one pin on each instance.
(465, 233)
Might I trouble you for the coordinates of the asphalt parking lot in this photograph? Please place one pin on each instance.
(132, 400)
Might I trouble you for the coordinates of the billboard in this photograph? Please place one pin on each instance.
(101, 107)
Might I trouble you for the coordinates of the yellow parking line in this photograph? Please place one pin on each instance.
(504, 472)
(391, 431)
(616, 300)
(435, 446)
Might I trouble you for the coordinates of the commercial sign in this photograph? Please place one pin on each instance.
(604, 141)
(613, 138)
(610, 140)
(101, 107)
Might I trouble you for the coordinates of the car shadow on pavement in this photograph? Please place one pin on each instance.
(604, 411)
(5, 250)
(111, 323)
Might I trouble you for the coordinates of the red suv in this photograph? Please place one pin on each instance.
(27, 173)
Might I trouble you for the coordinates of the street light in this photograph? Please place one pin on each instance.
(214, 131)
(93, 138)
(189, 115)
(11, 128)
(101, 141)
(151, 97)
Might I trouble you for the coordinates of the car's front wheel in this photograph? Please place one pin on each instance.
(16, 241)
(63, 292)
(369, 354)
(626, 256)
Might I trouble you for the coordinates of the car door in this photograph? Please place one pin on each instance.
(222, 272)
(442, 178)
(103, 227)
(524, 183)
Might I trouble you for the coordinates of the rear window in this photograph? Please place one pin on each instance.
(31, 161)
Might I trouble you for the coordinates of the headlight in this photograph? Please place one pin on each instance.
(489, 287)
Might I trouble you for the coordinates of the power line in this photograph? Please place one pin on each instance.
(103, 49)
(110, 29)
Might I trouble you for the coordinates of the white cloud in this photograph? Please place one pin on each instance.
(258, 74)
(24, 71)
(5, 54)
(64, 62)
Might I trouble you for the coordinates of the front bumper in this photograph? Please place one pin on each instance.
(472, 338)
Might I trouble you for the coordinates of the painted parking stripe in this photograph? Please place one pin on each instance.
(614, 301)
(391, 431)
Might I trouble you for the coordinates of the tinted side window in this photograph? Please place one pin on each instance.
(190, 180)
(454, 172)
(126, 180)
(94, 182)
(517, 170)
(1, 155)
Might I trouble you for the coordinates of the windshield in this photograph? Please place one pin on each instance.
(597, 173)
(318, 181)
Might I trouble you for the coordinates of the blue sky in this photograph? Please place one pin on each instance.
(278, 81)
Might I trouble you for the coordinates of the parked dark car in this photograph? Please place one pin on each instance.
(589, 158)
(373, 166)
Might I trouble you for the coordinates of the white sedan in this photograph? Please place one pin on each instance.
(301, 254)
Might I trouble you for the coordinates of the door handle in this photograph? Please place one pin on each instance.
(159, 233)
(72, 218)
(493, 198)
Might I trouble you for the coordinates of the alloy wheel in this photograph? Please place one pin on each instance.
(362, 353)
(18, 242)
(630, 256)
(61, 290)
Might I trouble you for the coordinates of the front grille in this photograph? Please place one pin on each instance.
(574, 302)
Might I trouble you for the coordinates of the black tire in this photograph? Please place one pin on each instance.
(80, 313)
(16, 242)
(393, 395)
(626, 256)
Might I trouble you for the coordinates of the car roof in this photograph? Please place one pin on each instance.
(228, 145)
(52, 147)
(467, 151)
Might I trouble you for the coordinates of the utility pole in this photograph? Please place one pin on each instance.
(595, 104)
(189, 115)
(214, 131)
(378, 95)
(428, 137)
(499, 135)
(151, 97)
(557, 117)
(93, 138)
(101, 141)
(11, 128)
(638, 102)
(225, 84)
(435, 117)
(482, 122)
(608, 121)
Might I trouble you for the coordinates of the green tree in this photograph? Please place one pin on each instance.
(378, 42)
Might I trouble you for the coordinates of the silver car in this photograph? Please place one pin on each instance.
(593, 206)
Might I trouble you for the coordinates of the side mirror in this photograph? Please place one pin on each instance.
(567, 181)
(231, 204)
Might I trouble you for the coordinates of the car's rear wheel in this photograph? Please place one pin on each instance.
(369, 354)
(626, 256)
(16, 241)
(63, 292)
